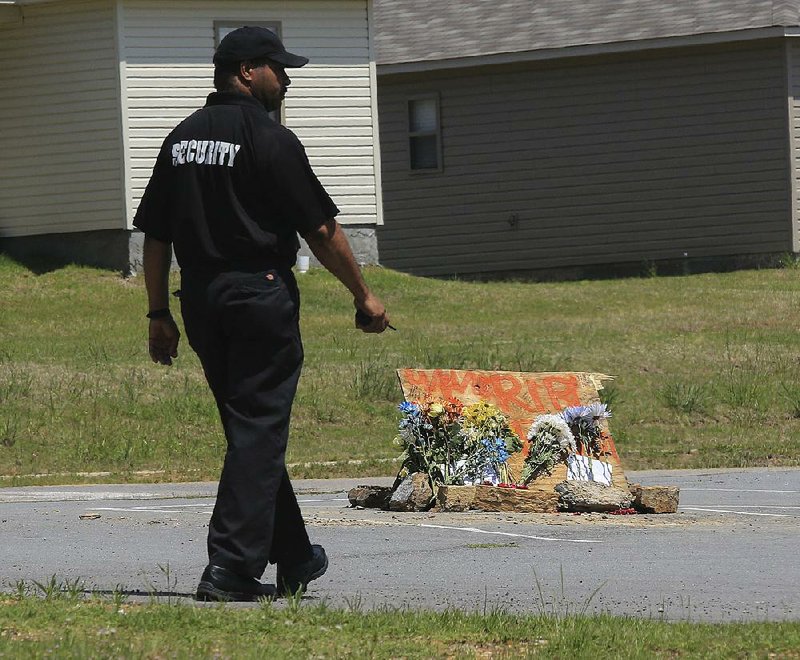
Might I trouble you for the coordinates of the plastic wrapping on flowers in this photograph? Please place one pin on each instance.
(455, 444)
(550, 441)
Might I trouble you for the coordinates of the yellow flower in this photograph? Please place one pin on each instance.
(435, 410)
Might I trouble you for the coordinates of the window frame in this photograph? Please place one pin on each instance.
(437, 132)
(228, 26)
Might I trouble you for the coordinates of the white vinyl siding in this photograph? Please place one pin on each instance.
(646, 158)
(59, 112)
(167, 49)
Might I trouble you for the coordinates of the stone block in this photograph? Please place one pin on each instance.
(492, 498)
(655, 499)
(590, 496)
(455, 498)
(413, 494)
(370, 497)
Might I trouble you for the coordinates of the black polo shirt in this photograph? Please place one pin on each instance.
(232, 187)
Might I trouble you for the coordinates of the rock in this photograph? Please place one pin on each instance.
(413, 494)
(655, 499)
(455, 498)
(492, 498)
(370, 497)
(591, 496)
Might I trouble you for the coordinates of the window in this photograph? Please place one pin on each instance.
(424, 137)
(223, 28)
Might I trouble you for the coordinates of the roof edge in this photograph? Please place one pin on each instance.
(708, 38)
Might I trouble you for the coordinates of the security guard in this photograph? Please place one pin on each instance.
(231, 190)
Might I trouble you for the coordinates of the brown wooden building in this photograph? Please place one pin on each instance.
(537, 135)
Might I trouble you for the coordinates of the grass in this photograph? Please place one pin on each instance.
(68, 626)
(707, 369)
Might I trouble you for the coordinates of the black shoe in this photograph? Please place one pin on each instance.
(295, 577)
(219, 583)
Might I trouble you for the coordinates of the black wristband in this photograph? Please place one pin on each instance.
(159, 313)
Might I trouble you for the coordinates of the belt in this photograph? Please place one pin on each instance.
(208, 272)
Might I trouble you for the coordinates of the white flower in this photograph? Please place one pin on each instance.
(598, 410)
(551, 423)
(555, 429)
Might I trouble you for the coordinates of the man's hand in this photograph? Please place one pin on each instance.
(330, 246)
(164, 337)
(371, 315)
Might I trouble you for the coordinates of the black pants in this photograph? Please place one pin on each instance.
(244, 327)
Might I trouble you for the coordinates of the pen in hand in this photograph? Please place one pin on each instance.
(363, 319)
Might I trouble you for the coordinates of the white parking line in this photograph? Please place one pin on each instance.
(145, 509)
(475, 530)
(169, 506)
(762, 506)
(743, 490)
(742, 513)
(205, 507)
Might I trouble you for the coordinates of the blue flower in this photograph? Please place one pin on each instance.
(575, 414)
(408, 408)
(496, 449)
(500, 449)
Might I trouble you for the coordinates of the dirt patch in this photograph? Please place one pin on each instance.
(367, 518)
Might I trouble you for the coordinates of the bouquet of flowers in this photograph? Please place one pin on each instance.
(490, 439)
(551, 439)
(584, 422)
(430, 434)
(454, 444)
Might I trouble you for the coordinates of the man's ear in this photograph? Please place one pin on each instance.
(245, 70)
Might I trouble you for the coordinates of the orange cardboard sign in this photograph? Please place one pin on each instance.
(520, 396)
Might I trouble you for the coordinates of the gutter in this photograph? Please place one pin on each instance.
(545, 54)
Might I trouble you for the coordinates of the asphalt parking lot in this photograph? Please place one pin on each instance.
(729, 554)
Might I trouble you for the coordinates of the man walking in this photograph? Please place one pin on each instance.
(231, 190)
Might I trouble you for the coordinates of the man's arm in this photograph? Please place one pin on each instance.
(330, 246)
(164, 334)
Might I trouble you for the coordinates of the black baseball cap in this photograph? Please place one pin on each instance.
(253, 42)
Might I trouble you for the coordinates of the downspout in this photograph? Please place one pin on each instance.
(376, 137)
(791, 142)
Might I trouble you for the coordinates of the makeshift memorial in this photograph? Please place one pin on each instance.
(520, 396)
(455, 450)
(455, 444)
(590, 461)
